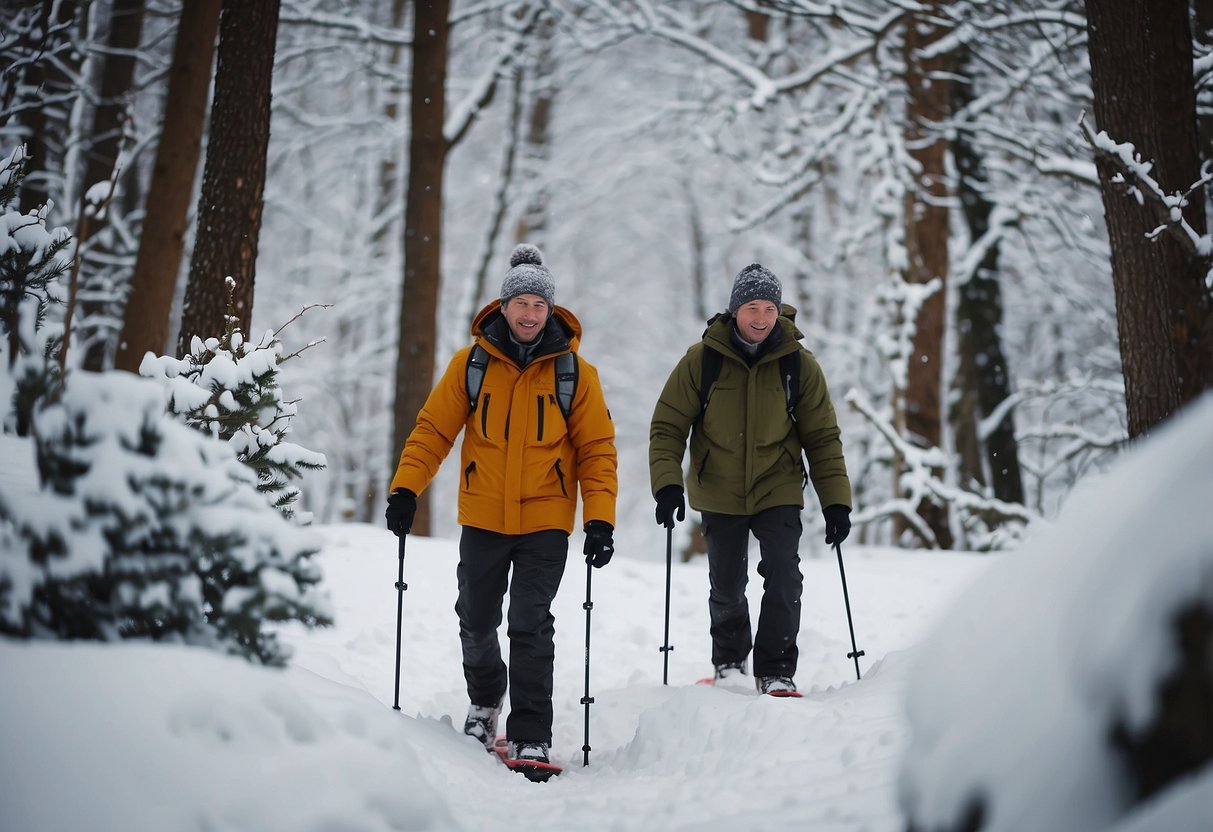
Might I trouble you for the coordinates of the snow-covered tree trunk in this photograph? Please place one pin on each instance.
(1142, 79)
(145, 324)
(99, 298)
(423, 229)
(926, 233)
(49, 79)
(982, 372)
(229, 215)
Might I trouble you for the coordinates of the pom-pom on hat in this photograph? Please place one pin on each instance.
(528, 276)
(754, 282)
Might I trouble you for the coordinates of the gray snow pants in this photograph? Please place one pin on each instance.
(538, 561)
(778, 533)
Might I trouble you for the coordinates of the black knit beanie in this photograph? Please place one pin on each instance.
(754, 282)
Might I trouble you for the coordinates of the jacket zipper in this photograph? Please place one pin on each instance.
(467, 475)
(484, 417)
(539, 403)
(560, 474)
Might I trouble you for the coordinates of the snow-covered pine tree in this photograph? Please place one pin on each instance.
(145, 528)
(228, 388)
(32, 259)
(124, 523)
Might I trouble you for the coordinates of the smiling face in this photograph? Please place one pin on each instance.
(526, 315)
(756, 320)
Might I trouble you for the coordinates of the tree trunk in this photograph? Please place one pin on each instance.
(97, 304)
(926, 219)
(1202, 17)
(423, 228)
(1141, 76)
(982, 374)
(117, 75)
(533, 224)
(146, 321)
(229, 214)
(47, 125)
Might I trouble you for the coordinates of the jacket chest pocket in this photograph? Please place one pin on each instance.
(547, 421)
(492, 414)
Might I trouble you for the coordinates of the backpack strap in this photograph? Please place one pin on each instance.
(708, 373)
(567, 372)
(478, 362)
(566, 368)
(789, 379)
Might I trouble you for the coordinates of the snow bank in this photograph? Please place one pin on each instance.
(1016, 694)
(159, 737)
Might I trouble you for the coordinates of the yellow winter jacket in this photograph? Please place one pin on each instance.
(521, 462)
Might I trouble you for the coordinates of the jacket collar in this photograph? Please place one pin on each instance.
(719, 336)
(493, 332)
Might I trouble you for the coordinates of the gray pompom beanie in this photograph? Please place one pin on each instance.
(754, 282)
(528, 276)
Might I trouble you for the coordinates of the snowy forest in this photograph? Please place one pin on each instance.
(240, 240)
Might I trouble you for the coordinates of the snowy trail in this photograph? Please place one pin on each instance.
(676, 757)
(138, 736)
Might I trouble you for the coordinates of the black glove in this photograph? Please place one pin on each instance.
(838, 523)
(401, 506)
(599, 545)
(669, 502)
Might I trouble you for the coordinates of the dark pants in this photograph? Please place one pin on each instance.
(778, 533)
(484, 565)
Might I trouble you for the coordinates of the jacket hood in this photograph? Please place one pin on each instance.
(566, 319)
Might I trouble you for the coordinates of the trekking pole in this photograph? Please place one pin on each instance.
(587, 700)
(855, 651)
(666, 648)
(401, 586)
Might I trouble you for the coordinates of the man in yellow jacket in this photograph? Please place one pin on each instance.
(522, 460)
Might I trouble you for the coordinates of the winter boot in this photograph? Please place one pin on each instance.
(481, 723)
(530, 752)
(731, 674)
(776, 685)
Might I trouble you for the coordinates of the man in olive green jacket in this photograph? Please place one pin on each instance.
(746, 471)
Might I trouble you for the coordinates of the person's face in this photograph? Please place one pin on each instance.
(526, 315)
(756, 320)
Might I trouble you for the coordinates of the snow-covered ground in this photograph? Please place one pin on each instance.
(1028, 662)
(138, 736)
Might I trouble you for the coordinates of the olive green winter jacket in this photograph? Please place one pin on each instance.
(746, 451)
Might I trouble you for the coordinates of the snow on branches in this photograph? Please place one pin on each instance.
(32, 260)
(117, 521)
(228, 388)
(1136, 179)
(144, 528)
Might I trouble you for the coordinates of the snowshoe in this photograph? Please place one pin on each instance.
(778, 686)
(530, 759)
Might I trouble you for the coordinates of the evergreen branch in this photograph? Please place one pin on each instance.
(300, 314)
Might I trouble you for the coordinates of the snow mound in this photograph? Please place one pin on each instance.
(1019, 690)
